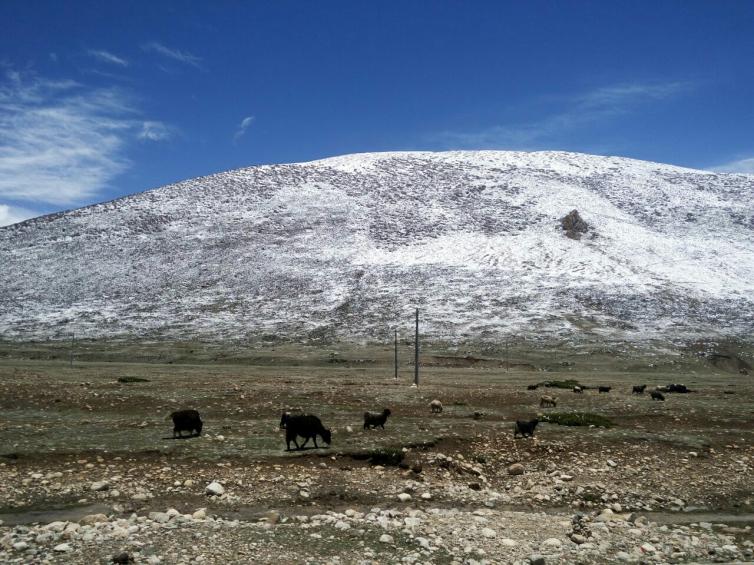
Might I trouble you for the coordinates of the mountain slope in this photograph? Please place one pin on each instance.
(344, 248)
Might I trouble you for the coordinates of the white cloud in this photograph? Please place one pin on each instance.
(174, 54)
(155, 131)
(591, 107)
(107, 57)
(14, 214)
(745, 166)
(61, 143)
(242, 127)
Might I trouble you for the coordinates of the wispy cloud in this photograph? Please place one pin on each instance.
(155, 131)
(177, 55)
(242, 127)
(61, 143)
(588, 108)
(738, 166)
(14, 214)
(107, 57)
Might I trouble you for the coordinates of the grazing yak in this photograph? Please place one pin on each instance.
(186, 421)
(374, 419)
(657, 395)
(525, 428)
(436, 406)
(548, 401)
(605, 388)
(578, 390)
(532, 387)
(306, 426)
(638, 389)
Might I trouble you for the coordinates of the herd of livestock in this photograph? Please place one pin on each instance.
(309, 427)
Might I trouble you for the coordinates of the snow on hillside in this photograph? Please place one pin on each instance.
(344, 248)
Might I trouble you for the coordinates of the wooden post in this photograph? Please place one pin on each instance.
(416, 351)
(507, 357)
(396, 354)
(73, 341)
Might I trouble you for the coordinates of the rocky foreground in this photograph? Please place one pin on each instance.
(436, 509)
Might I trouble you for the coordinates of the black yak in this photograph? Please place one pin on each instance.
(186, 421)
(374, 419)
(284, 419)
(525, 428)
(638, 389)
(657, 395)
(605, 388)
(306, 426)
(532, 387)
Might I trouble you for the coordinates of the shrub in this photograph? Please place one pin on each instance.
(132, 380)
(387, 456)
(577, 419)
(568, 383)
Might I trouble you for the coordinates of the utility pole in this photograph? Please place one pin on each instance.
(396, 354)
(73, 341)
(507, 356)
(416, 351)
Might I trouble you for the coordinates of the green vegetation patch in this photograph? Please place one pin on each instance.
(132, 380)
(389, 456)
(577, 419)
(568, 383)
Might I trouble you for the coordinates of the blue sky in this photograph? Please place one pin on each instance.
(101, 99)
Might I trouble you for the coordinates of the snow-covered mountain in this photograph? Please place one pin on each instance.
(345, 248)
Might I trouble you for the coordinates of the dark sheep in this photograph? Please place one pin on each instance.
(525, 428)
(532, 387)
(374, 419)
(578, 390)
(605, 388)
(638, 389)
(306, 426)
(436, 406)
(657, 395)
(186, 421)
(677, 388)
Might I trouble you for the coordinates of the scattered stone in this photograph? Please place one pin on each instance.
(122, 558)
(516, 469)
(404, 497)
(537, 560)
(62, 548)
(90, 519)
(99, 486)
(552, 542)
(215, 489)
(647, 548)
(489, 533)
(386, 538)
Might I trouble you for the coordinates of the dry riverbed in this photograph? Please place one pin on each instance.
(89, 470)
